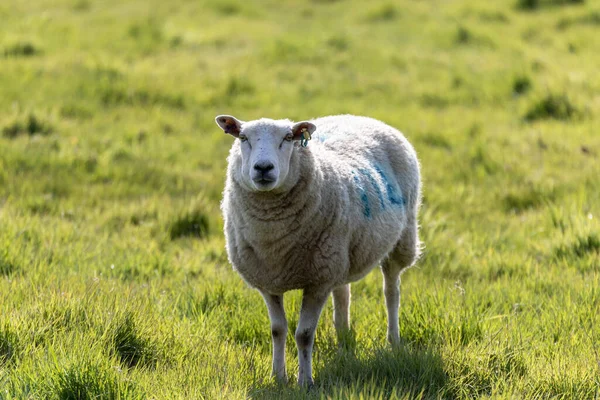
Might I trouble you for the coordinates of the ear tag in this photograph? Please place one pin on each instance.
(305, 137)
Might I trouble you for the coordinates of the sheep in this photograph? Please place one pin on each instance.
(319, 217)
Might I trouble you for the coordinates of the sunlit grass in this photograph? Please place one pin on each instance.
(114, 282)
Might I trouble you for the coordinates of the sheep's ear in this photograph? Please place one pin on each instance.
(229, 124)
(300, 128)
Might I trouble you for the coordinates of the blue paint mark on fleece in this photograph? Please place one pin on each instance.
(321, 137)
(365, 172)
(363, 196)
(327, 136)
(393, 196)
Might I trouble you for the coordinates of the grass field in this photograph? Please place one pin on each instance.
(114, 282)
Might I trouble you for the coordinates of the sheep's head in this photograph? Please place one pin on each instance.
(266, 148)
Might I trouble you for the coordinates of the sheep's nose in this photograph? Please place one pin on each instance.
(263, 166)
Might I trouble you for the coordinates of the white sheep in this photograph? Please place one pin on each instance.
(318, 217)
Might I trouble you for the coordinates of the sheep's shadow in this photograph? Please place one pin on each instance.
(404, 371)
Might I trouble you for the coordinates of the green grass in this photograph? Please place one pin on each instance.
(114, 282)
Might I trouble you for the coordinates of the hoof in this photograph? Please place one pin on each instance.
(308, 384)
(394, 341)
(280, 378)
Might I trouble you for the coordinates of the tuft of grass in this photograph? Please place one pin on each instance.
(581, 247)
(76, 111)
(507, 363)
(82, 5)
(553, 106)
(226, 8)
(481, 161)
(9, 343)
(383, 13)
(522, 200)
(463, 35)
(237, 86)
(591, 19)
(118, 95)
(40, 205)
(131, 346)
(503, 270)
(291, 52)
(7, 265)
(494, 16)
(466, 36)
(211, 300)
(147, 30)
(88, 381)
(193, 223)
(57, 315)
(521, 84)
(30, 125)
(339, 43)
(434, 100)
(176, 41)
(530, 5)
(436, 141)
(22, 49)
(563, 386)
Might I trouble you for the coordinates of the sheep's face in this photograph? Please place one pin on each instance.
(266, 149)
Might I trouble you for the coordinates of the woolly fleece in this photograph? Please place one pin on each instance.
(353, 197)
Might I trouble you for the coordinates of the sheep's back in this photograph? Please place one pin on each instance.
(379, 172)
(372, 150)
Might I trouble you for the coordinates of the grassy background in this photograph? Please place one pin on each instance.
(113, 276)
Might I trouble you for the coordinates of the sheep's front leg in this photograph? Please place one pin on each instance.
(312, 305)
(279, 330)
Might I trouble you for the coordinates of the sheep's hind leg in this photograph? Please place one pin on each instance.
(391, 290)
(279, 330)
(402, 256)
(341, 311)
(312, 305)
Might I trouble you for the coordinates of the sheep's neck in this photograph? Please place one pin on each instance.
(273, 215)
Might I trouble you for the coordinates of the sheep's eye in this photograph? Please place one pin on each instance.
(243, 138)
(289, 138)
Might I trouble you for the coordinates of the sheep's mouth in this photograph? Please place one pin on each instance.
(264, 179)
(264, 183)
